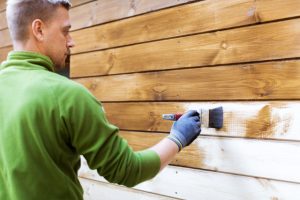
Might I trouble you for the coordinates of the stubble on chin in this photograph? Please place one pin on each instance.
(65, 63)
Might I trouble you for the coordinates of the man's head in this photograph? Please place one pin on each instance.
(42, 26)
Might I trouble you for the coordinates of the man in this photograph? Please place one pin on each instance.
(48, 121)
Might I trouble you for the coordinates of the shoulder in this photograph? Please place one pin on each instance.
(68, 90)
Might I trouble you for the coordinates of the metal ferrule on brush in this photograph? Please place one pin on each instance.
(169, 117)
(204, 117)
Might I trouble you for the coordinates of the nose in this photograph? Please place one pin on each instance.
(70, 42)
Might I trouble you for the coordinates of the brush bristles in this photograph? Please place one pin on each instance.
(216, 117)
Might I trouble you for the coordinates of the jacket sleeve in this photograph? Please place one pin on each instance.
(98, 141)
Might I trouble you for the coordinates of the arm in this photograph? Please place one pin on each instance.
(92, 136)
(166, 150)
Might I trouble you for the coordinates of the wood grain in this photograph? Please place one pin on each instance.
(79, 2)
(85, 13)
(257, 43)
(5, 39)
(274, 80)
(2, 5)
(3, 23)
(262, 120)
(95, 190)
(181, 20)
(203, 185)
(276, 9)
(259, 158)
(4, 51)
(100, 11)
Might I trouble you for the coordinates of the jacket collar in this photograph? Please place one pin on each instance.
(26, 59)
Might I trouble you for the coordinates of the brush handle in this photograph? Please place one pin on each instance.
(172, 117)
(177, 116)
(204, 116)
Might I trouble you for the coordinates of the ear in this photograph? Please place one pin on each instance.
(37, 28)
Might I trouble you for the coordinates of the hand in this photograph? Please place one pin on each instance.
(186, 129)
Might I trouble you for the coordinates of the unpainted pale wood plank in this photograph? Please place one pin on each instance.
(272, 80)
(267, 120)
(182, 20)
(102, 11)
(95, 190)
(3, 52)
(79, 2)
(3, 23)
(256, 43)
(5, 39)
(259, 158)
(188, 183)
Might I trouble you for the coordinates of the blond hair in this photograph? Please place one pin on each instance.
(21, 13)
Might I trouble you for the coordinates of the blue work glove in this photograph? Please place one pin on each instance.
(186, 129)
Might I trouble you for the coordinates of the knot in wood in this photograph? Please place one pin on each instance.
(224, 45)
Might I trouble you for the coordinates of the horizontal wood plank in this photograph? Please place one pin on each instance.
(257, 43)
(268, 120)
(259, 158)
(79, 2)
(5, 39)
(193, 18)
(3, 23)
(268, 10)
(3, 52)
(100, 11)
(273, 80)
(96, 12)
(2, 5)
(188, 183)
(74, 3)
(95, 190)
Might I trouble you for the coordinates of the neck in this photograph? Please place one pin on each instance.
(26, 46)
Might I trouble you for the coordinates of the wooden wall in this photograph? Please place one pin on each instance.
(143, 58)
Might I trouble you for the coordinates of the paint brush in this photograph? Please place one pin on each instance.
(212, 118)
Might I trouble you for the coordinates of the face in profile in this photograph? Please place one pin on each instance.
(58, 41)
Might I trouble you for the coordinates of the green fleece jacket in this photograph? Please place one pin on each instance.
(46, 123)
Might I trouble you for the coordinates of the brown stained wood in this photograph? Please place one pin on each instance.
(96, 12)
(256, 43)
(74, 14)
(4, 51)
(190, 18)
(182, 20)
(259, 158)
(100, 11)
(273, 9)
(261, 120)
(273, 80)
(5, 39)
(3, 23)
(2, 5)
